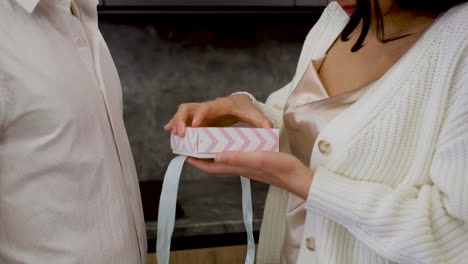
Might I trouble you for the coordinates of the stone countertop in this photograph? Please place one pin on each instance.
(213, 207)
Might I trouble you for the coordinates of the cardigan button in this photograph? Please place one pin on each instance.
(310, 243)
(324, 146)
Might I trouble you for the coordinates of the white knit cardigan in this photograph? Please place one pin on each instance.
(394, 187)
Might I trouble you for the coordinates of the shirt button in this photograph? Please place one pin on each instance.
(324, 146)
(310, 243)
(81, 42)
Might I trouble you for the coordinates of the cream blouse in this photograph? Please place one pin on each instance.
(308, 109)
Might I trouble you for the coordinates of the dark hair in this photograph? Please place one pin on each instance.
(364, 12)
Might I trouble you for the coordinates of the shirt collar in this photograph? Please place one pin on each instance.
(28, 5)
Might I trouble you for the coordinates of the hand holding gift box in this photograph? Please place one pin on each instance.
(205, 142)
(221, 112)
(250, 152)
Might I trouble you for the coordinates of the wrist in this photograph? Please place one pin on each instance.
(304, 183)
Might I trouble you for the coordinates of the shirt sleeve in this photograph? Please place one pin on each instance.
(408, 223)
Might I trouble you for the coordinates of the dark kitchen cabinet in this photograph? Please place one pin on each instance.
(311, 2)
(199, 2)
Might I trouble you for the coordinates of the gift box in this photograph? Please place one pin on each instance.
(205, 142)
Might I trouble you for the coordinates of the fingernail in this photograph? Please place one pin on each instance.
(174, 131)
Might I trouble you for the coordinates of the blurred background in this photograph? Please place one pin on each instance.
(170, 52)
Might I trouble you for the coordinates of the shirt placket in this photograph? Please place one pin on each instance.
(84, 48)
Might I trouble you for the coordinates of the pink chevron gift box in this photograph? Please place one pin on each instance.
(205, 142)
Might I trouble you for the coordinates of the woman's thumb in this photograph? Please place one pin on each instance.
(263, 122)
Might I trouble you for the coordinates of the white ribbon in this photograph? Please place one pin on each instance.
(247, 214)
(167, 208)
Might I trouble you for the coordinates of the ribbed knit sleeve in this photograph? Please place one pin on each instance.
(425, 223)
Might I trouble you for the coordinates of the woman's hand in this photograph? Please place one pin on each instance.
(223, 111)
(280, 169)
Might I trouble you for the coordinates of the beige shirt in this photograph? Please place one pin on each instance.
(68, 186)
(308, 109)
